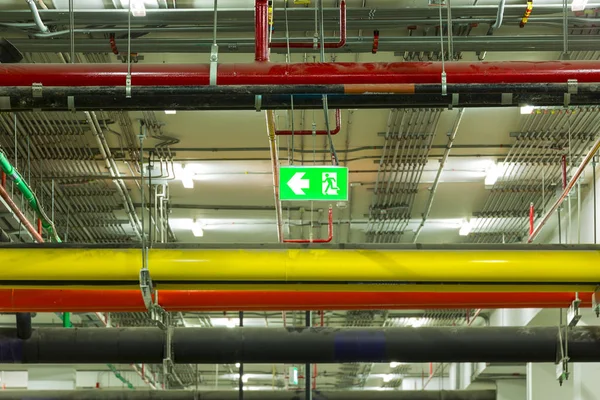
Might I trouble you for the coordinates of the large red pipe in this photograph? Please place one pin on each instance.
(299, 74)
(38, 300)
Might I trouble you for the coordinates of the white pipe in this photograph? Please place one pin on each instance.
(36, 16)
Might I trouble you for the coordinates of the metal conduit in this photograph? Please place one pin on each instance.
(299, 345)
(109, 394)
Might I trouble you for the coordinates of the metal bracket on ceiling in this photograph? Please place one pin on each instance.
(71, 103)
(37, 90)
(214, 60)
(128, 86)
(5, 103)
(258, 102)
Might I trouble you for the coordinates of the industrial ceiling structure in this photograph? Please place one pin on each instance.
(320, 199)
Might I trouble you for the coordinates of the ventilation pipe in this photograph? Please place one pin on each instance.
(59, 300)
(299, 345)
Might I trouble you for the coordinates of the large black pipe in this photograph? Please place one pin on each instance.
(298, 345)
(107, 394)
(98, 102)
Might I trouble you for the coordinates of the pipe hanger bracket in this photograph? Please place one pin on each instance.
(214, 60)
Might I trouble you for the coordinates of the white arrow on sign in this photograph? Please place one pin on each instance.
(297, 184)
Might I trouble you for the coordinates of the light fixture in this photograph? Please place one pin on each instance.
(492, 174)
(237, 365)
(170, 112)
(245, 378)
(187, 177)
(394, 364)
(465, 229)
(137, 7)
(419, 322)
(230, 323)
(578, 5)
(527, 109)
(388, 378)
(197, 230)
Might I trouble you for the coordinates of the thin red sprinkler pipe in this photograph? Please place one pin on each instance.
(309, 45)
(20, 216)
(563, 161)
(263, 73)
(3, 179)
(39, 226)
(531, 218)
(60, 300)
(329, 233)
(335, 131)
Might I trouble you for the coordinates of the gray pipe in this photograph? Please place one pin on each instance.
(36, 16)
(109, 394)
(298, 345)
(499, 17)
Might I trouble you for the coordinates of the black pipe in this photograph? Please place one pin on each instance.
(298, 345)
(307, 371)
(24, 329)
(241, 369)
(283, 102)
(109, 394)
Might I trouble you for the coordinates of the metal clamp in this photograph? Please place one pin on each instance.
(444, 84)
(562, 363)
(455, 101)
(128, 86)
(5, 103)
(573, 314)
(146, 288)
(572, 86)
(37, 89)
(214, 60)
(506, 99)
(258, 102)
(71, 103)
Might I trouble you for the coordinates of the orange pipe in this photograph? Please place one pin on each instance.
(51, 300)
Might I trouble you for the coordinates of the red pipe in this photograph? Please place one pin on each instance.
(338, 127)
(39, 226)
(563, 160)
(531, 217)
(261, 32)
(310, 45)
(22, 218)
(329, 233)
(50, 300)
(3, 179)
(263, 73)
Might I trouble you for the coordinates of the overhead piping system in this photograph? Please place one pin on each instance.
(321, 267)
(36, 16)
(318, 132)
(310, 45)
(311, 240)
(60, 300)
(299, 345)
(112, 394)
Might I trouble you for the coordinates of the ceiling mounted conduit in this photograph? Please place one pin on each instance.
(60, 300)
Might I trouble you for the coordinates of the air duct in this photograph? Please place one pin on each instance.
(299, 345)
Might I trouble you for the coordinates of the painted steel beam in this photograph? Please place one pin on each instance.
(325, 268)
(56, 300)
(108, 394)
(298, 345)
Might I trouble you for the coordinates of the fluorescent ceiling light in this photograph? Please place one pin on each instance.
(527, 109)
(187, 177)
(578, 5)
(388, 378)
(237, 365)
(492, 174)
(197, 230)
(170, 112)
(395, 364)
(138, 9)
(465, 229)
(230, 323)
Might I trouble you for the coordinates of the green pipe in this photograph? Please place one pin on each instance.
(67, 320)
(24, 188)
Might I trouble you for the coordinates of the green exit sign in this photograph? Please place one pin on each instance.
(320, 183)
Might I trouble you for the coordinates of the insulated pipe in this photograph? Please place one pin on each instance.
(355, 267)
(335, 131)
(60, 300)
(504, 72)
(112, 394)
(299, 345)
(310, 45)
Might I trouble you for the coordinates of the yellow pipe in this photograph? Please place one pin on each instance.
(189, 268)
